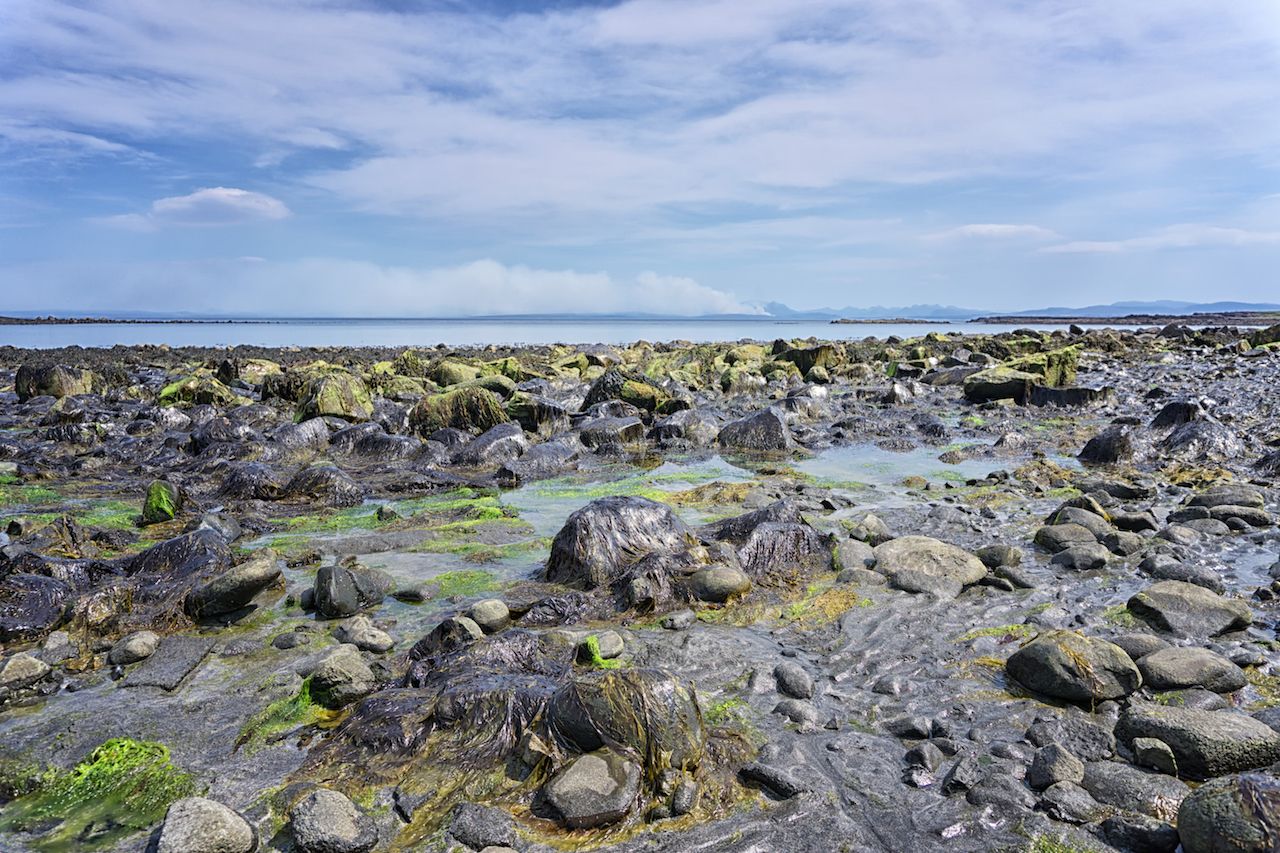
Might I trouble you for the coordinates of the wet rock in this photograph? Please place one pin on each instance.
(965, 774)
(54, 380)
(1228, 495)
(718, 584)
(798, 711)
(600, 433)
(235, 588)
(1234, 814)
(1164, 567)
(690, 426)
(1203, 440)
(1068, 665)
(199, 825)
(595, 789)
(1083, 738)
(1176, 667)
(763, 432)
(479, 827)
(1082, 558)
(1204, 743)
(176, 658)
(470, 409)
(999, 383)
(341, 678)
(776, 550)
(793, 681)
(1133, 789)
(912, 561)
(327, 821)
(601, 540)
(137, 646)
(22, 670)
(451, 634)
(1059, 537)
(325, 484)
(1140, 834)
(1109, 447)
(199, 552)
(1140, 645)
(499, 444)
(341, 591)
(162, 503)
(549, 459)
(1189, 610)
(31, 605)
(780, 782)
(338, 394)
(999, 556)
(1155, 754)
(1069, 802)
(1053, 764)
(364, 635)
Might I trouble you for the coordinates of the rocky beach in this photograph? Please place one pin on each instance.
(996, 592)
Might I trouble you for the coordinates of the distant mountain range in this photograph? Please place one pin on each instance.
(772, 311)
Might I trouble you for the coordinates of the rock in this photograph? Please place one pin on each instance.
(327, 821)
(480, 827)
(1082, 558)
(999, 556)
(549, 459)
(235, 588)
(778, 550)
(198, 825)
(183, 556)
(1140, 834)
(53, 380)
(325, 484)
(1059, 537)
(338, 394)
(491, 614)
(763, 432)
(451, 634)
(1084, 739)
(1204, 440)
(1204, 743)
(31, 605)
(1234, 814)
(689, 426)
(1229, 495)
(1053, 764)
(364, 635)
(599, 542)
(1133, 789)
(793, 681)
(798, 711)
(22, 670)
(999, 383)
(341, 678)
(162, 503)
(137, 646)
(176, 658)
(340, 591)
(1140, 645)
(1189, 610)
(1070, 803)
(718, 584)
(909, 561)
(496, 445)
(1068, 665)
(595, 789)
(1109, 447)
(1155, 754)
(780, 782)
(1123, 544)
(1176, 667)
(471, 409)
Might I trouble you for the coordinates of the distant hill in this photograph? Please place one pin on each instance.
(1120, 309)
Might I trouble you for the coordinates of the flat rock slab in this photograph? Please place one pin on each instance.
(174, 661)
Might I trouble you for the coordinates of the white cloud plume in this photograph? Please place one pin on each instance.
(344, 288)
(999, 231)
(208, 206)
(1175, 237)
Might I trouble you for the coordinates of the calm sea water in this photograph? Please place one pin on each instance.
(422, 333)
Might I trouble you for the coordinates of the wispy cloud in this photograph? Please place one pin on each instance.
(339, 287)
(997, 231)
(1174, 237)
(208, 206)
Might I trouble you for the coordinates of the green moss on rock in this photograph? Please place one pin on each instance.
(471, 409)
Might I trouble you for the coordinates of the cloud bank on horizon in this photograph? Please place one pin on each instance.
(360, 156)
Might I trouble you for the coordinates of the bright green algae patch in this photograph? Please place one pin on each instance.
(122, 787)
(281, 717)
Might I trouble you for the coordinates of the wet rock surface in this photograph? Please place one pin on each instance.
(998, 592)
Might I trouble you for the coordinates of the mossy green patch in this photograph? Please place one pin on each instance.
(465, 583)
(280, 717)
(1266, 686)
(122, 787)
(1121, 615)
(14, 495)
(161, 504)
(725, 711)
(594, 659)
(996, 631)
(116, 515)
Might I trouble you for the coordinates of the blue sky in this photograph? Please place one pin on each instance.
(684, 156)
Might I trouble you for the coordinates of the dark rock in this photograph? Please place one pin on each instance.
(1234, 814)
(763, 432)
(1189, 610)
(326, 821)
(1176, 667)
(1132, 789)
(601, 540)
(1068, 665)
(1205, 743)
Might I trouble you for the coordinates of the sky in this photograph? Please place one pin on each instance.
(389, 157)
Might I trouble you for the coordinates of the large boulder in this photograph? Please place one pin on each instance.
(1109, 447)
(471, 409)
(1176, 667)
(1234, 814)
(1189, 610)
(765, 431)
(199, 388)
(501, 443)
(327, 821)
(31, 605)
(999, 383)
(341, 678)
(342, 591)
(198, 825)
(197, 552)
(778, 550)
(922, 563)
(325, 484)
(233, 589)
(54, 380)
(1204, 743)
(339, 395)
(600, 541)
(1067, 665)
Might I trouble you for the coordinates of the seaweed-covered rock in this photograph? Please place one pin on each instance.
(1204, 743)
(162, 503)
(599, 541)
(234, 589)
(54, 380)
(999, 383)
(777, 551)
(1068, 665)
(1234, 814)
(340, 395)
(31, 605)
(325, 484)
(472, 409)
(200, 388)
(1109, 447)
(198, 552)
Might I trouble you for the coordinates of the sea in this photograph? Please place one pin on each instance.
(465, 332)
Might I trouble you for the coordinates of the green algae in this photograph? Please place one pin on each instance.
(465, 582)
(1121, 615)
(726, 711)
(281, 717)
(1021, 630)
(15, 495)
(116, 515)
(123, 786)
(594, 659)
(161, 503)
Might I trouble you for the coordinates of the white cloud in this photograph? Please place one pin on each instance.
(208, 206)
(337, 287)
(997, 231)
(1174, 237)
